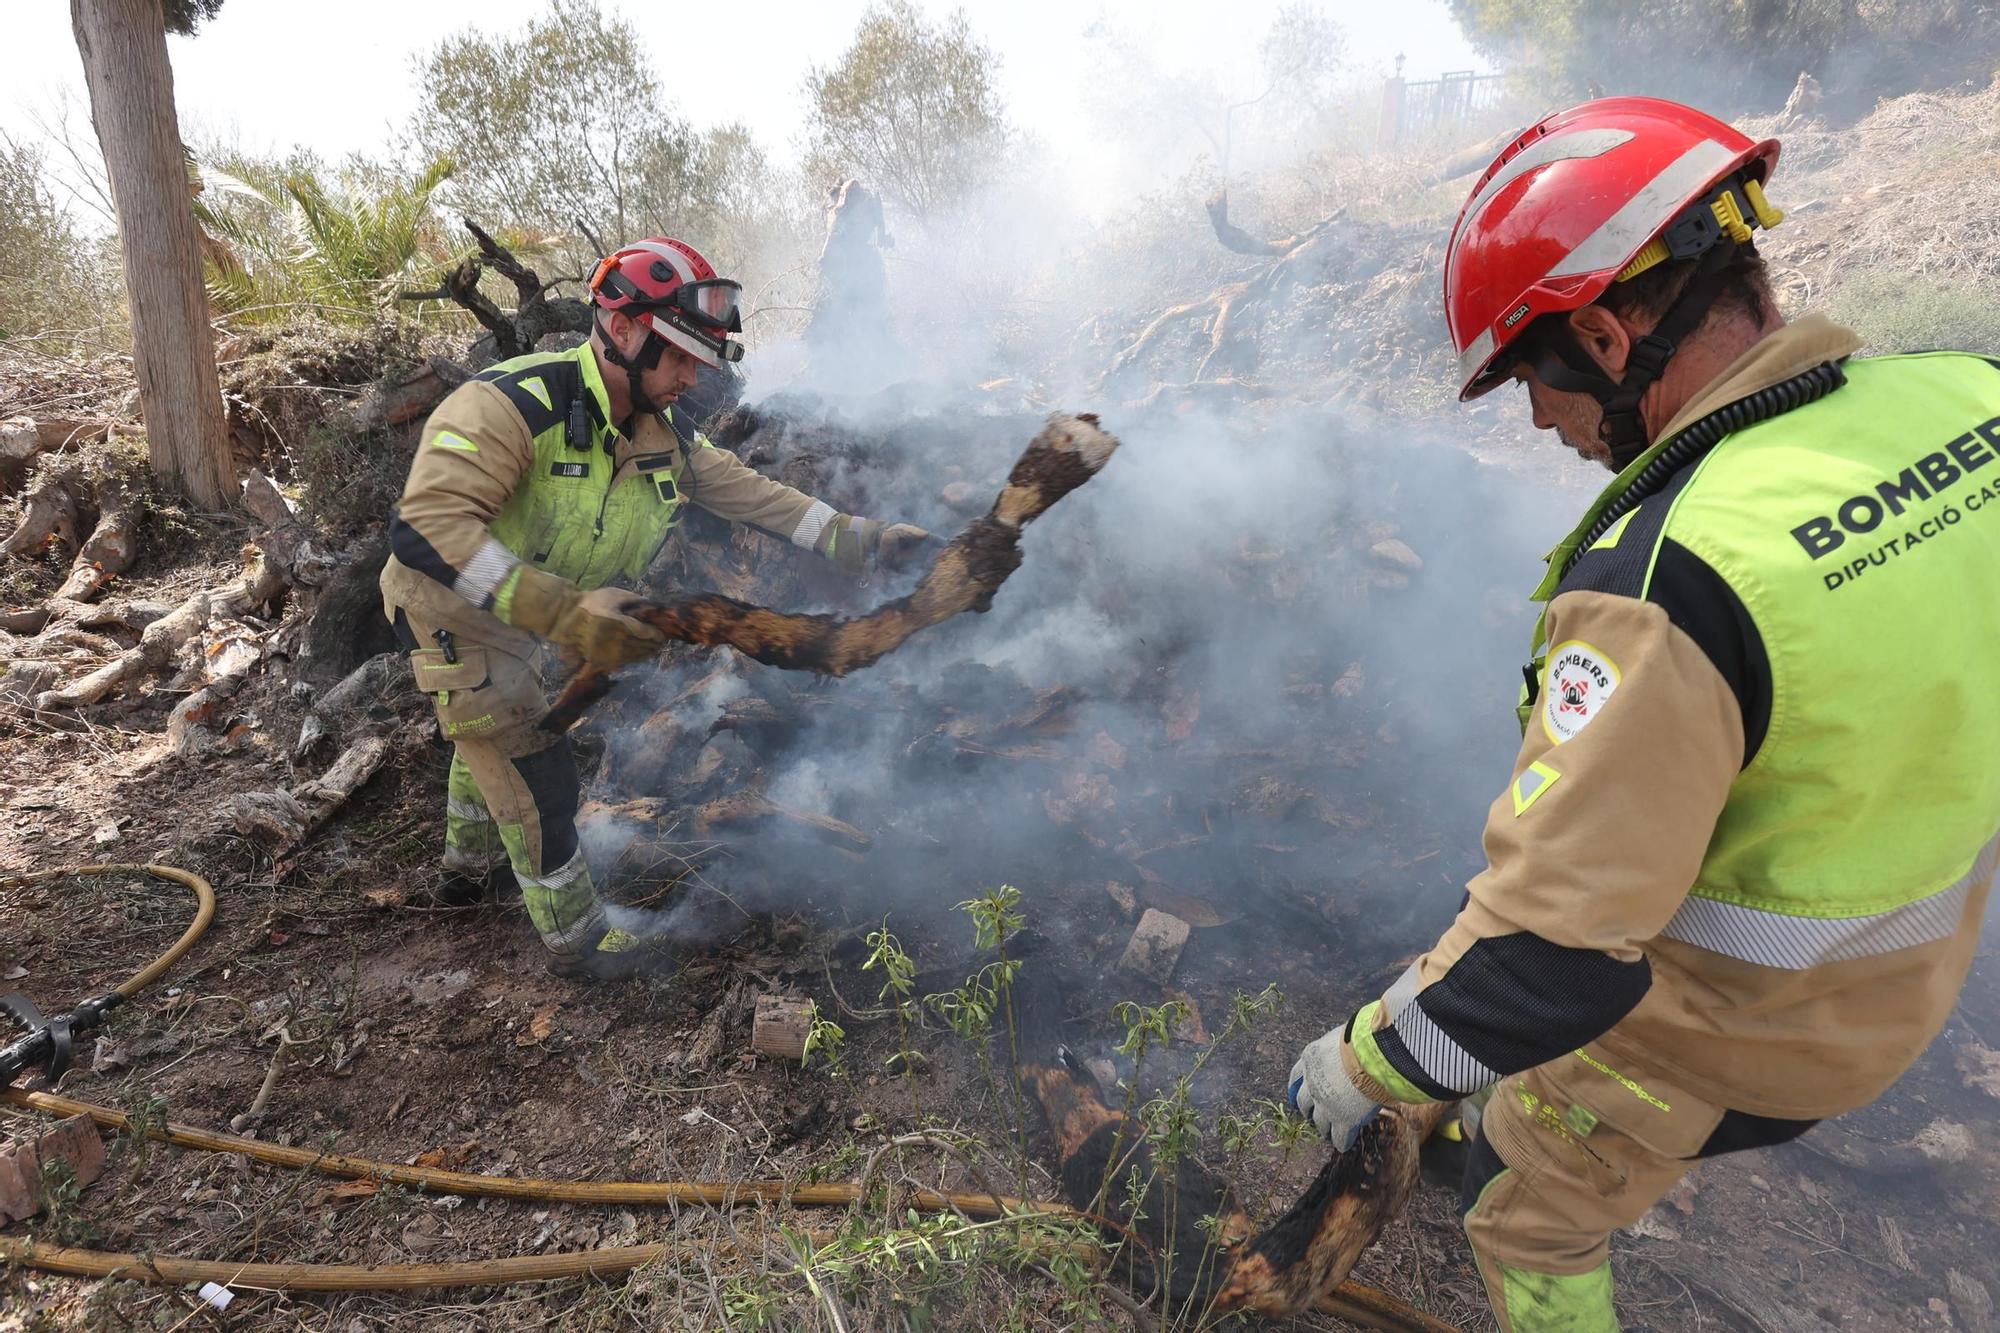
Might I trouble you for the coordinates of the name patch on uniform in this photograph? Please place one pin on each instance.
(1580, 679)
(569, 469)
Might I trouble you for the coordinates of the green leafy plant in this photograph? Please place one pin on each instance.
(899, 973)
(825, 1039)
(282, 235)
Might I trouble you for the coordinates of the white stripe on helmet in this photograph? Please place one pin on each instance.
(687, 342)
(1646, 213)
(1474, 358)
(682, 269)
(1558, 147)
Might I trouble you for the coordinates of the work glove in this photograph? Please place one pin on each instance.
(906, 544)
(596, 626)
(862, 545)
(1321, 1090)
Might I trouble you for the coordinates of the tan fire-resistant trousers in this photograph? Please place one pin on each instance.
(513, 790)
(1583, 1149)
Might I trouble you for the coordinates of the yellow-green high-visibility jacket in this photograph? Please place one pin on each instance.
(522, 464)
(1755, 816)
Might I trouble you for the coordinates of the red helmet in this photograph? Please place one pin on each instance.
(1582, 199)
(667, 285)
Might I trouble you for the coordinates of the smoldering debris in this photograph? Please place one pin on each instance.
(1250, 674)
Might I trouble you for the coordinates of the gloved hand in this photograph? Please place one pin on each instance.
(859, 545)
(1320, 1090)
(904, 544)
(597, 626)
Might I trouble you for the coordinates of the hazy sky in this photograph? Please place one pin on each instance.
(337, 77)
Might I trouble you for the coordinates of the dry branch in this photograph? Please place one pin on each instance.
(1227, 304)
(270, 568)
(1242, 242)
(747, 807)
(535, 317)
(156, 647)
(281, 821)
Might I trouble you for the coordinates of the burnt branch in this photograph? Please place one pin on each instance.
(1242, 242)
(536, 316)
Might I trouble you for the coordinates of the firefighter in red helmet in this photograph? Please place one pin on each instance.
(1735, 881)
(540, 490)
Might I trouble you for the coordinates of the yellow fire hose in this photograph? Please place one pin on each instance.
(1362, 1304)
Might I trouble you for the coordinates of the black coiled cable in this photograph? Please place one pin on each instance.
(1704, 434)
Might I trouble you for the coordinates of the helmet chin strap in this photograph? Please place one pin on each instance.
(1565, 366)
(633, 366)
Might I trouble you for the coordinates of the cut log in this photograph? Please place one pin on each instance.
(23, 439)
(1155, 947)
(781, 1027)
(27, 620)
(407, 398)
(74, 1142)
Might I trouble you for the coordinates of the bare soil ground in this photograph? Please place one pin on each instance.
(435, 1036)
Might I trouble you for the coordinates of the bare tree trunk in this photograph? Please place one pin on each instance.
(124, 49)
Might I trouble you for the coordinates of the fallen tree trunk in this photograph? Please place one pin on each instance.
(964, 577)
(411, 397)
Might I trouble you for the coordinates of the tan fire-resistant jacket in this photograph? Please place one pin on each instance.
(454, 494)
(1586, 871)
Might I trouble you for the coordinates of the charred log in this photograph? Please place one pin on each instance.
(1289, 1267)
(964, 577)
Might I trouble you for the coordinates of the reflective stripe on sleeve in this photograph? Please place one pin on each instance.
(481, 578)
(1443, 1059)
(806, 534)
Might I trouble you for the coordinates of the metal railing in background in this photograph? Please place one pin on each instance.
(1448, 104)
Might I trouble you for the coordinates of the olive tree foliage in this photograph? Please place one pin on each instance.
(910, 107)
(45, 267)
(1736, 55)
(568, 121)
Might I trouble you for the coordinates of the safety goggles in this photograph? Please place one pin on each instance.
(713, 303)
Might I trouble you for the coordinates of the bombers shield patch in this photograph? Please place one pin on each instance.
(1580, 679)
